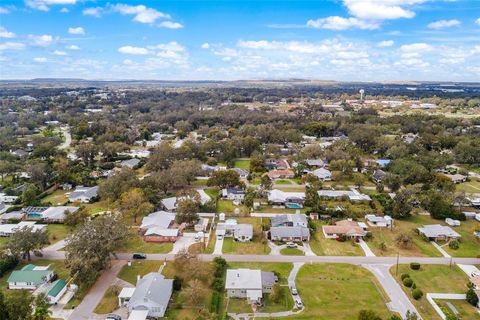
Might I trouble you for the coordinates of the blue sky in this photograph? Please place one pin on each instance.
(352, 40)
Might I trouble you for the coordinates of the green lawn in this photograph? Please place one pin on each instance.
(469, 244)
(57, 232)
(242, 164)
(129, 273)
(227, 206)
(283, 181)
(213, 193)
(109, 302)
(3, 242)
(466, 310)
(58, 197)
(253, 247)
(291, 252)
(419, 246)
(98, 206)
(432, 279)
(330, 247)
(135, 243)
(338, 291)
(200, 183)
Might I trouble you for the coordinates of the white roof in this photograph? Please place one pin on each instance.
(162, 232)
(351, 194)
(11, 228)
(244, 279)
(279, 195)
(436, 230)
(161, 219)
(126, 292)
(322, 173)
(138, 315)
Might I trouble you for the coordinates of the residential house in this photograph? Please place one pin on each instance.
(150, 296)
(249, 284)
(293, 200)
(276, 164)
(55, 291)
(234, 194)
(347, 228)
(280, 174)
(211, 169)
(318, 163)
(7, 199)
(452, 222)
(436, 232)
(6, 230)
(378, 176)
(131, 163)
(160, 227)
(30, 277)
(170, 204)
(296, 233)
(377, 221)
(83, 194)
(243, 232)
(353, 195)
(456, 178)
(323, 174)
(49, 214)
(289, 220)
(241, 172)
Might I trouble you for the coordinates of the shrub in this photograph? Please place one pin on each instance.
(417, 294)
(454, 244)
(472, 297)
(414, 286)
(415, 266)
(407, 282)
(404, 275)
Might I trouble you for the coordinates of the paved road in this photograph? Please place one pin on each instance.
(68, 138)
(85, 309)
(399, 301)
(358, 260)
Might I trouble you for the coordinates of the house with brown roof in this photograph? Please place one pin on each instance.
(348, 228)
(279, 174)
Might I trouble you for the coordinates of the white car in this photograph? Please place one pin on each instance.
(298, 304)
(291, 245)
(294, 291)
(475, 273)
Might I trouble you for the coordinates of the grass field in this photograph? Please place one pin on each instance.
(57, 232)
(282, 181)
(129, 273)
(58, 197)
(291, 252)
(472, 186)
(253, 247)
(466, 310)
(330, 247)
(109, 302)
(242, 164)
(227, 206)
(135, 243)
(469, 244)
(432, 279)
(338, 292)
(419, 247)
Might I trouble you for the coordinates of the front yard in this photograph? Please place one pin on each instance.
(338, 291)
(322, 246)
(258, 245)
(469, 244)
(432, 279)
(135, 243)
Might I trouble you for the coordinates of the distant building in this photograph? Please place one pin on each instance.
(289, 199)
(323, 174)
(49, 214)
(436, 232)
(6, 230)
(347, 228)
(249, 284)
(83, 194)
(377, 221)
(378, 176)
(131, 163)
(353, 195)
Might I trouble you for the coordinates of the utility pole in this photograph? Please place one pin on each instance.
(398, 258)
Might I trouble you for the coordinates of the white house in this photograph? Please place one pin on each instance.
(6, 230)
(243, 232)
(7, 199)
(83, 194)
(376, 221)
(353, 195)
(30, 277)
(322, 174)
(234, 194)
(249, 284)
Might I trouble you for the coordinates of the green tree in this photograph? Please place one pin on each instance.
(266, 183)
(112, 188)
(402, 204)
(26, 240)
(3, 306)
(41, 308)
(277, 294)
(29, 194)
(249, 198)
(187, 211)
(133, 203)
(368, 315)
(224, 179)
(19, 305)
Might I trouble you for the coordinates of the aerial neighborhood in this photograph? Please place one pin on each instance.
(262, 203)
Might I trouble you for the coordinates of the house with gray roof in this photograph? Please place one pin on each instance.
(289, 220)
(83, 194)
(323, 174)
(243, 232)
(437, 232)
(131, 163)
(151, 295)
(353, 195)
(249, 284)
(297, 234)
(319, 163)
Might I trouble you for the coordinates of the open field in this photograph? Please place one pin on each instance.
(330, 247)
(385, 236)
(472, 186)
(432, 279)
(57, 232)
(227, 206)
(338, 292)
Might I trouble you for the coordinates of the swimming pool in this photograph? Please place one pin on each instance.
(293, 206)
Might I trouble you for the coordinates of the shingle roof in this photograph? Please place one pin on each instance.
(152, 287)
(289, 232)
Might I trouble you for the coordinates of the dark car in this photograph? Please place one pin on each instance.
(139, 256)
(113, 317)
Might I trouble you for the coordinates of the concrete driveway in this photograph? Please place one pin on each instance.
(399, 301)
(291, 281)
(468, 269)
(184, 242)
(218, 246)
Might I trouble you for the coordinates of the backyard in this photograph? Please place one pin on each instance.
(330, 247)
(432, 279)
(325, 289)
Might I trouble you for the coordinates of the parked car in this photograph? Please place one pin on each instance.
(139, 256)
(298, 304)
(291, 245)
(294, 290)
(475, 274)
(113, 317)
(220, 236)
(199, 236)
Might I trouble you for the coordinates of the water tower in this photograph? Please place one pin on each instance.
(361, 93)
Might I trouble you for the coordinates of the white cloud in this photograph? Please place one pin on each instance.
(11, 46)
(76, 30)
(443, 24)
(72, 47)
(59, 53)
(40, 59)
(95, 12)
(41, 41)
(64, 10)
(341, 23)
(416, 47)
(171, 25)
(170, 46)
(477, 21)
(141, 13)
(381, 10)
(43, 5)
(205, 45)
(385, 43)
(4, 10)
(6, 34)
(133, 50)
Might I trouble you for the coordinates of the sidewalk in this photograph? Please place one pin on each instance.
(366, 249)
(440, 249)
